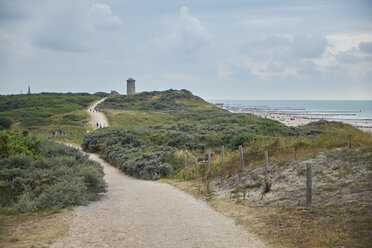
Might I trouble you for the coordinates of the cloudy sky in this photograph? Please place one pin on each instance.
(218, 49)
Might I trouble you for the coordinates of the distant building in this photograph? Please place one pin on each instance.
(114, 92)
(220, 105)
(131, 86)
(29, 90)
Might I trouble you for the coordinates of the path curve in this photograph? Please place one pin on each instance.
(97, 117)
(138, 213)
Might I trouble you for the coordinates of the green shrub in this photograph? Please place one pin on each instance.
(242, 138)
(63, 194)
(5, 122)
(15, 143)
(62, 176)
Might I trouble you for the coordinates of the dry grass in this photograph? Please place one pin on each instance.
(35, 230)
(279, 226)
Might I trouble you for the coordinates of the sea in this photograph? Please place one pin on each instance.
(327, 109)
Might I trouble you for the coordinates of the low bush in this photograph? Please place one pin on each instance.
(5, 123)
(16, 143)
(61, 176)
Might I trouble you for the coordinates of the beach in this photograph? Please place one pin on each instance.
(298, 118)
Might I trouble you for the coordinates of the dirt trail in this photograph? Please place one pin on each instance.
(137, 213)
(97, 117)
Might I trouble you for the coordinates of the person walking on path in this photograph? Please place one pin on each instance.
(96, 117)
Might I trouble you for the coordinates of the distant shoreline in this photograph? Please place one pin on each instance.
(291, 118)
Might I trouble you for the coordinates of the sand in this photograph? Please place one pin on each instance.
(365, 125)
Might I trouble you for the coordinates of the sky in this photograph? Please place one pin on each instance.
(217, 49)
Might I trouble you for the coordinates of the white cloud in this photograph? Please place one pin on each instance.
(343, 52)
(346, 41)
(103, 18)
(188, 36)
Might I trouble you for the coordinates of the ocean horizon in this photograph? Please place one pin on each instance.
(338, 109)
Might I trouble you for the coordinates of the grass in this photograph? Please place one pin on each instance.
(32, 111)
(33, 230)
(281, 226)
(133, 119)
(41, 114)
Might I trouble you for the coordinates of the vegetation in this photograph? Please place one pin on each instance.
(159, 134)
(13, 144)
(157, 100)
(153, 142)
(35, 110)
(47, 175)
(341, 211)
(39, 229)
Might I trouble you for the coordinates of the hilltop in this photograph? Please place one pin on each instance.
(157, 100)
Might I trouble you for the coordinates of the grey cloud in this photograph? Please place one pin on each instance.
(365, 47)
(309, 46)
(64, 31)
(13, 9)
(271, 42)
(262, 49)
(348, 58)
(75, 28)
(308, 68)
(250, 42)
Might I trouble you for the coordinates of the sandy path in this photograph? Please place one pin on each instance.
(137, 213)
(97, 117)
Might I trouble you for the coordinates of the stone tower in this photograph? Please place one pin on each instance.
(131, 86)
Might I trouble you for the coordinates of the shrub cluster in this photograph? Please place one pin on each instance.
(62, 176)
(130, 153)
(16, 143)
(34, 109)
(148, 152)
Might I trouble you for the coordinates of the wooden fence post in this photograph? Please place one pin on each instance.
(266, 163)
(223, 156)
(196, 162)
(185, 161)
(241, 157)
(350, 141)
(309, 184)
(75, 137)
(209, 159)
